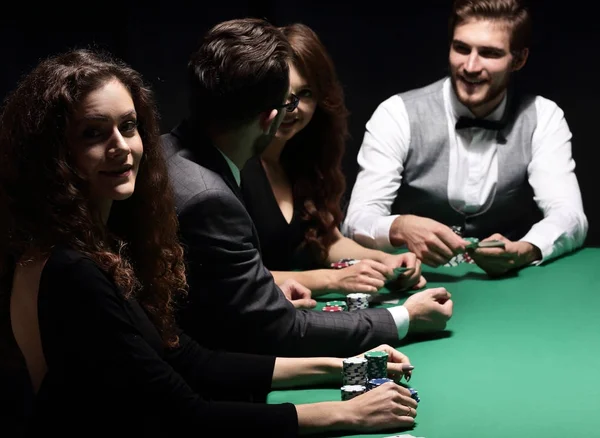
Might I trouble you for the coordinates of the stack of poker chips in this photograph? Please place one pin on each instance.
(459, 258)
(344, 263)
(332, 309)
(354, 377)
(354, 371)
(357, 301)
(351, 391)
(376, 364)
(335, 306)
(374, 383)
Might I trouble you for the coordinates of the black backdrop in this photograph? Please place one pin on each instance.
(379, 49)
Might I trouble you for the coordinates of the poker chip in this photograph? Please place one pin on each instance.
(357, 301)
(374, 383)
(457, 229)
(458, 259)
(341, 304)
(354, 371)
(455, 261)
(351, 391)
(376, 364)
(414, 394)
(344, 263)
(333, 309)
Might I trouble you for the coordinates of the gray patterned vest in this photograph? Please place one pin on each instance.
(424, 189)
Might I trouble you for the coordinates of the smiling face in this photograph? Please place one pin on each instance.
(105, 143)
(481, 63)
(293, 122)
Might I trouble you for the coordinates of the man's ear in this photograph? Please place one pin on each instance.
(519, 59)
(266, 119)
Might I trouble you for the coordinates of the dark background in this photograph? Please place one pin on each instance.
(379, 49)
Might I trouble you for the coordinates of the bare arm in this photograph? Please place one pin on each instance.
(292, 371)
(319, 281)
(345, 248)
(368, 276)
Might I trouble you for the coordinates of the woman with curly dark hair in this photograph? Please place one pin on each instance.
(294, 190)
(91, 269)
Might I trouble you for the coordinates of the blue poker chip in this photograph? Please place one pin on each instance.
(374, 383)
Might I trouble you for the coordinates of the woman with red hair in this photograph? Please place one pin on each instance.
(293, 191)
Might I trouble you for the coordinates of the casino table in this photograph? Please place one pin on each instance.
(520, 356)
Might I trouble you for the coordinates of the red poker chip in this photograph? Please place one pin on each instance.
(332, 309)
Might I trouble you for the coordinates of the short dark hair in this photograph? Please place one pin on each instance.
(239, 70)
(513, 12)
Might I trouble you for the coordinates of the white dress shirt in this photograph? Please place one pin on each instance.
(473, 174)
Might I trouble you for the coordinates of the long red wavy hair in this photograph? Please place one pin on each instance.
(312, 158)
(45, 202)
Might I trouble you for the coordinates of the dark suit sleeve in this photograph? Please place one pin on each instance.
(235, 304)
(80, 306)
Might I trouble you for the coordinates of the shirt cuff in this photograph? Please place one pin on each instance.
(542, 242)
(401, 318)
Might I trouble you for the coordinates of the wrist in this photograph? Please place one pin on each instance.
(381, 257)
(347, 417)
(325, 416)
(531, 253)
(397, 237)
(332, 282)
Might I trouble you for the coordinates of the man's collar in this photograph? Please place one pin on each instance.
(199, 148)
(234, 169)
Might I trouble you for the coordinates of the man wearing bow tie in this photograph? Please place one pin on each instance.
(467, 151)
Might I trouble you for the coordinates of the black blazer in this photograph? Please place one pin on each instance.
(233, 302)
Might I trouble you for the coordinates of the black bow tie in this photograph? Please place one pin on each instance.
(468, 122)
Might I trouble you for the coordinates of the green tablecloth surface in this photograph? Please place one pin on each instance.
(521, 359)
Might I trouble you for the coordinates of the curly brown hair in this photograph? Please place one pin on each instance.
(45, 202)
(312, 158)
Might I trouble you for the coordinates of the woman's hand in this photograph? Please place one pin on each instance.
(398, 364)
(389, 406)
(366, 276)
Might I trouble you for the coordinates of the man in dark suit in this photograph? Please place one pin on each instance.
(239, 92)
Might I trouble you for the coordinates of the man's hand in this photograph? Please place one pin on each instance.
(433, 242)
(297, 294)
(430, 310)
(498, 261)
(412, 279)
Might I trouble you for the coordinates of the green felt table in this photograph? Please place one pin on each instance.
(521, 359)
